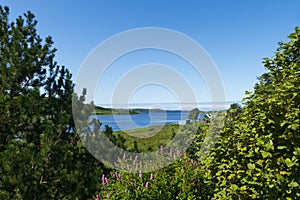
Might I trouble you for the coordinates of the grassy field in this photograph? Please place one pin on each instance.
(151, 138)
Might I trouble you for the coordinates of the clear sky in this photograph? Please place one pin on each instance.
(236, 34)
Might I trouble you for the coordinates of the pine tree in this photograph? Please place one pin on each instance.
(41, 156)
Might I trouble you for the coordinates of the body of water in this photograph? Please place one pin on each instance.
(176, 113)
(141, 120)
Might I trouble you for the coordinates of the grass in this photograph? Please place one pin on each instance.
(149, 138)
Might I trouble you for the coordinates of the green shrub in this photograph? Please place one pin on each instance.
(258, 154)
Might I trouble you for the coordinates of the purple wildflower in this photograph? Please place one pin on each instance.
(140, 174)
(117, 175)
(108, 195)
(97, 197)
(147, 185)
(103, 179)
(151, 176)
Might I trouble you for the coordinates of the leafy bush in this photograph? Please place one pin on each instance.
(180, 180)
(258, 154)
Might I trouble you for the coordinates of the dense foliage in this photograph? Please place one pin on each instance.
(258, 155)
(181, 179)
(40, 154)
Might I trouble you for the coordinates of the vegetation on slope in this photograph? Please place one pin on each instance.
(41, 156)
(257, 155)
(109, 111)
(259, 151)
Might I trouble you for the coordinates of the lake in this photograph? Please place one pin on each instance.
(141, 120)
(176, 113)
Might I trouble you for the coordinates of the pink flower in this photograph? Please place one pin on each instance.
(108, 195)
(171, 152)
(147, 185)
(118, 175)
(97, 197)
(140, 174)
(151, 176)
(103, 179)
(161, 148)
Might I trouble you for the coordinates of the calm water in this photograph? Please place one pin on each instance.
(141, 120)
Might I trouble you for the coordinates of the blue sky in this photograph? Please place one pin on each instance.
(236, 34)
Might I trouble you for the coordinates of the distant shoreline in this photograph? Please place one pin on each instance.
(184, 107)
(99, 110)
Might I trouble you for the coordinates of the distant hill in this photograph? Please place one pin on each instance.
(109, 111)
(99, 110)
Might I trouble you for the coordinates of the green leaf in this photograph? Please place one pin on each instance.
(297, 152)
(260, 162)
(265, 154)
(251, 166)
(293, 184)
(281, 147)
(289, 163)
(234, 187)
